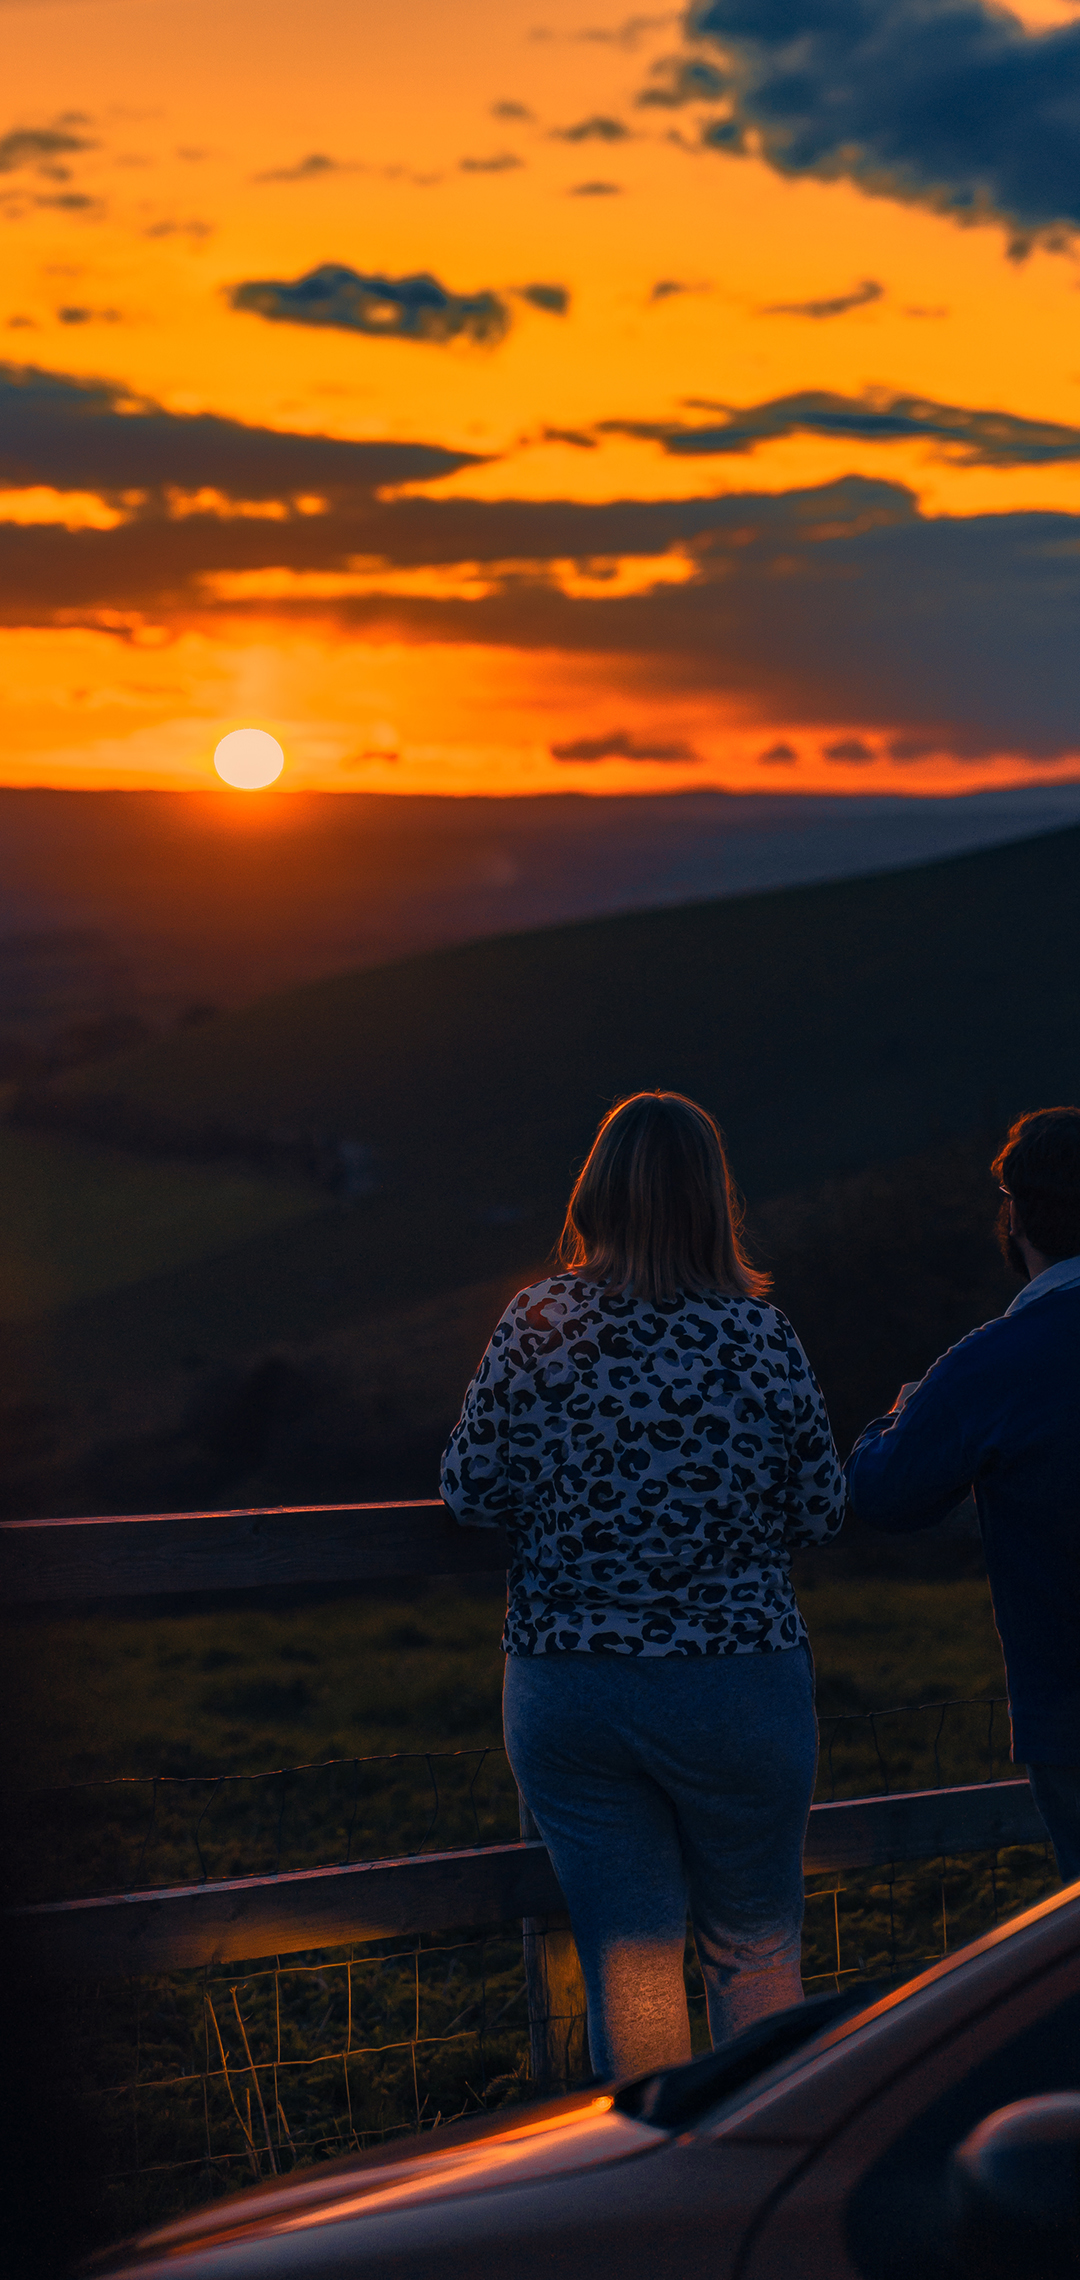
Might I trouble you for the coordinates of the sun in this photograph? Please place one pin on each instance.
(249, 759)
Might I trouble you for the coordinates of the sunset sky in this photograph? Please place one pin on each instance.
(512, 395)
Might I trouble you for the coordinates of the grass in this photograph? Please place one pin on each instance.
(349, 2046)
(352, 2047)
(78, 1220)
(388, 1713)
(833, 1029)
(242, 1691)
(828, 1026)
(149, 1390)
(863, 1043)
(241, 1687)
(393, 1706)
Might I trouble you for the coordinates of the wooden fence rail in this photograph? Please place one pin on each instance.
(147, 1554)
(249, 1916)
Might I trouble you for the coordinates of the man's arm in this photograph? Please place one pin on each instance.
(909, 1470)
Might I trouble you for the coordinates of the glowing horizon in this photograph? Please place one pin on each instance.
(485, 407)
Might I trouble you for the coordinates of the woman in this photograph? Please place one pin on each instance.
(649, 1433)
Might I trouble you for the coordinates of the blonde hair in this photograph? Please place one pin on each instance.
(654, 1210)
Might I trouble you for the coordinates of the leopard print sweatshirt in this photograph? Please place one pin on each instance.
(653, 1468)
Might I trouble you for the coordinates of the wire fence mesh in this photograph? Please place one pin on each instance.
(889, 1924)
(136, 1832)
(202, 2079)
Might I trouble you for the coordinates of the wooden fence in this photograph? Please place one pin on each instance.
(159, 1930)
(167, 1552)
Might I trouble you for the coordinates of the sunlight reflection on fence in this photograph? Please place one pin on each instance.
(204, 2077)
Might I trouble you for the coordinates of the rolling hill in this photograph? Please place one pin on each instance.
(863, 1043)
(827, 1026)
(138, 907)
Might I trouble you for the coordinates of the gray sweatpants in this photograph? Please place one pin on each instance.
(662, 1783)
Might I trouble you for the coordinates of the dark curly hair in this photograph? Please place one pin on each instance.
(1039, 1167)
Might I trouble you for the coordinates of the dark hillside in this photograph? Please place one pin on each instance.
(242, 1381)
(139, 906)
(828, 1027)
(863, 1043)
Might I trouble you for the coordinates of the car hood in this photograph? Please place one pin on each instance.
(525, 2146)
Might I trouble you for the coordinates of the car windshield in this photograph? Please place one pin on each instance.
(677, 2095)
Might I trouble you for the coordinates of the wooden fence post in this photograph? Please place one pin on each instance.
(555, 1992)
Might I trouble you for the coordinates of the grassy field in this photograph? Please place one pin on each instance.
(403, 1693)
(862, 1042)
(862, 1045)
(240, 1688)
(181, 1331)
(326, 1357)
(828, 1027)
(77, 1220)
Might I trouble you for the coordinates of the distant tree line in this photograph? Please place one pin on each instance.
(341, 1166)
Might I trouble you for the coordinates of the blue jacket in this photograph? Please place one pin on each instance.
(1000, 1414)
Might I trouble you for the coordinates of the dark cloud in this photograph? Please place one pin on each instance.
(910, 747)
(579, 438)
(317, 165)
(679, 79)
(955, 105)
(385, 308)
(389, 753)
(194, 229)
(627, 34)
(599, 128)
(850, 749)
(88, 435)
(865, 291)
(39, 147)
(553, 299)
(778, 756)
(840, 606)
(75, 315)
(595, 189)
(972, 437)
(71, 202)
(620, 745)
(510, 111)
(666, 288)
(500, 162)
(309, 169)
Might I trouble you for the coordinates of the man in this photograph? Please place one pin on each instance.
(1000, 1414)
